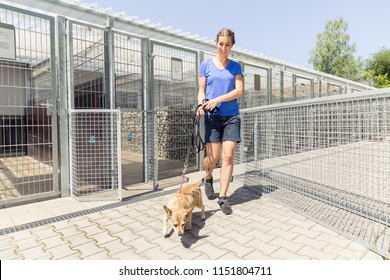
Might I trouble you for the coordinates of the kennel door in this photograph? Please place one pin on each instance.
(95, 155)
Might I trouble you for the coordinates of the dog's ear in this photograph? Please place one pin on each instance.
(167, 211)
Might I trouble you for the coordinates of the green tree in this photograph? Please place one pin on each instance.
(377, 70)
(334, 54)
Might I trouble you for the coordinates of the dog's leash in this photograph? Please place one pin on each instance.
(196, 144)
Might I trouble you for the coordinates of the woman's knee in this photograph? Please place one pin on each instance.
(227, 158)
(213, 160)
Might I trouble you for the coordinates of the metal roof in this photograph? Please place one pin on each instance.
(104, 16)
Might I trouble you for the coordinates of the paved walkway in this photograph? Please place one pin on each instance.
(259, 229)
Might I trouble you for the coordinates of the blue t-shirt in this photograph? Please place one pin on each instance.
(220, 82)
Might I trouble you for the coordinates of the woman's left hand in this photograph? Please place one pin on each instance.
(211, 104)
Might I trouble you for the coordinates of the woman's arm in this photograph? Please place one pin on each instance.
(201, 95)
(237, 92)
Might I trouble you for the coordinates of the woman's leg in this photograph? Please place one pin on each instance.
(228, 148)
(213, 151)
(213, 154)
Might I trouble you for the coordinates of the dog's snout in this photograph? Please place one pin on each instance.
(179, 233)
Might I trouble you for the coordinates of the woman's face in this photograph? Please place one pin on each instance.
(224, 45)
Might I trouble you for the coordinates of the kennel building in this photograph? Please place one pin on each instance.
(98, 100)
(93, 101)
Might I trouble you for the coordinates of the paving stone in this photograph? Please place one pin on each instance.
(128, 255)
(126, 236)
(230, 256)
(114, 247)
(26, 243)
(151, 234)
(265, 248)
(141, 245)
(281, 225)
(103, 221)
(315, 243)
(88, 249)
(82, 222)
(67, 232)
(98, 256)
(256, 225)
(287, 235)
(78, 239)
(92, 230)
(211, 251)
(116, 228)
(103, 237)
(10, 254)
(306, 232)
(336, 239)
(238, 237)
(258, 255)
(6, 244)
(304, 223)
(239, 249)
(43, 232)
(292, 246)
(264, 237)
(156, 253)
(136, 227)
(285, 254)
(370, 255)
(53, 241)
(61, 225)
(183, 253)
(316, 254)
(61, 252)
(36, 253)
(112, 214)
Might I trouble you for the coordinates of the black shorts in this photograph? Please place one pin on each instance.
(219, 129)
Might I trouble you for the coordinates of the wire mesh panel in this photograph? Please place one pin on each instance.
(175, 92)
(288, 91)
(95, 154)
(128, 71)
(256, 87)
(87, 66)
(276, 94)
(302, 88)
(333, 150)
(339, 151)
(137, 140)
(129, 84)
(27, 86)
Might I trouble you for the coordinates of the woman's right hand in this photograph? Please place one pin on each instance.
(200, 110)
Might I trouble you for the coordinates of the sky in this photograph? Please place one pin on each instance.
(281, 29)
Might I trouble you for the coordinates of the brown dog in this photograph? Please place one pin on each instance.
(180, 206)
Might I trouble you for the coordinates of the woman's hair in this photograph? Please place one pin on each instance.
(226, 32)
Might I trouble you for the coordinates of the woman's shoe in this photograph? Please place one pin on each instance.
(209, 190)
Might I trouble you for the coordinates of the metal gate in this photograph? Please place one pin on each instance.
(95, 154)
(174, 88)
(28, 139)
(94, 128)
(256, 86)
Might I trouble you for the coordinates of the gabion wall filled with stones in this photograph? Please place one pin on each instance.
(174, 128)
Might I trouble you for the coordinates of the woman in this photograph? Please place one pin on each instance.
(220, 84)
